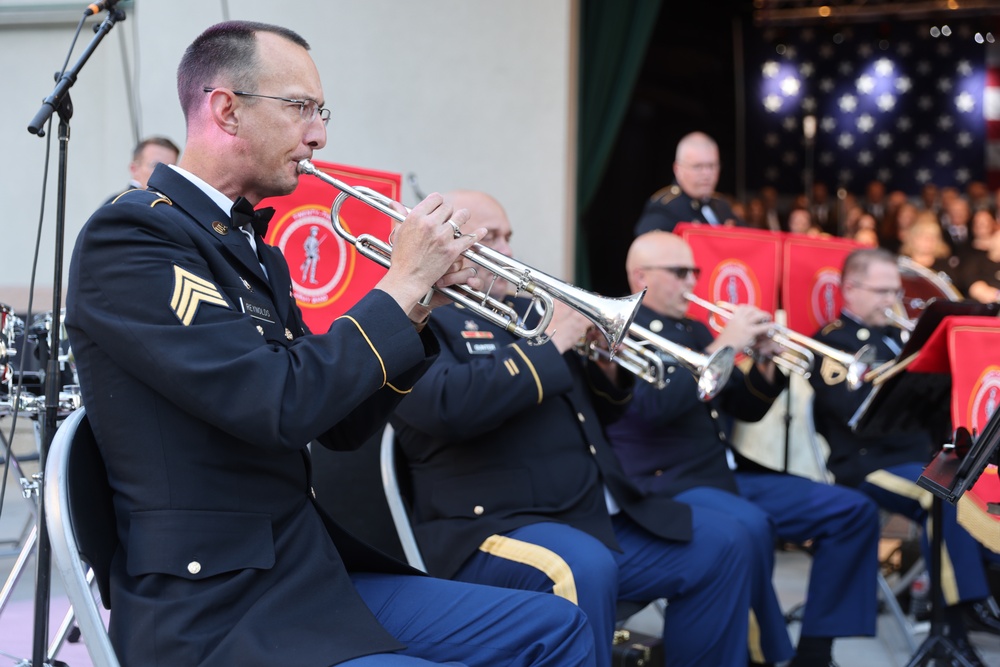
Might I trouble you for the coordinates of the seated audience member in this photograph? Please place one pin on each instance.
(204, 389)
(692, 198)
(982, 272)
(886, 467)
(956, 225)
(925, 245)
(896, 227)
(800, 222)
(980, 233)
(515, 485)
(673, 445)
(866, 237)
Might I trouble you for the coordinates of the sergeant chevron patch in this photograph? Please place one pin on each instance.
(190, 292)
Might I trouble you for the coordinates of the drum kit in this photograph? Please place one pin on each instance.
(24, 356)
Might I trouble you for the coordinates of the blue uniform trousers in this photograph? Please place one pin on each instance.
(452, 623)
(843, 525)
(706, 581)
(963, 577)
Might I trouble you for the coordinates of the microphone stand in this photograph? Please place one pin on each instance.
(57, 102)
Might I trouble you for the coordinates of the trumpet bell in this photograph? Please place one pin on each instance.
(716, 373)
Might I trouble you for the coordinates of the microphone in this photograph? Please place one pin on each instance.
(97, 7)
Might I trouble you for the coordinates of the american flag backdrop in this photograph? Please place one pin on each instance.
(902, 103)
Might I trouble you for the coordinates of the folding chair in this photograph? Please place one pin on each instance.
(404, 531)
(81, 523)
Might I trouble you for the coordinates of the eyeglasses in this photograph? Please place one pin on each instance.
(896, 292)
(681, 272)
(700, 166)
(308, 109)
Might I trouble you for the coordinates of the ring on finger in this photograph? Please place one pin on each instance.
(458, 232)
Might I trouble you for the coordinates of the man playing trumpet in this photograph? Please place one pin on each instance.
(886, 467)
(515, 485)
(673, 445)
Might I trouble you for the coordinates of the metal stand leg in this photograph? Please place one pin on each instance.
(938, 645)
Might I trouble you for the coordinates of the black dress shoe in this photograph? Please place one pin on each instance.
(979, 616)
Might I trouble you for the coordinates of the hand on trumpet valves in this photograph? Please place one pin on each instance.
(426, 252)
(747, 328)
(567, 327)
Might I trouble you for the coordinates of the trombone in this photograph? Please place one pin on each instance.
(640, 354)
(803, 348)
(612, 316)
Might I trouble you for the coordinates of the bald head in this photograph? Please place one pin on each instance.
(485, 211)
(655, 262)
(696, 165)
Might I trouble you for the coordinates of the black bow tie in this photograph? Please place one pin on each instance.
(243, 213)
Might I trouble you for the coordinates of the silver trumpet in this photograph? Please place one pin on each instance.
(800, 349)
(612, 316)
(900, 320)
(641, 351)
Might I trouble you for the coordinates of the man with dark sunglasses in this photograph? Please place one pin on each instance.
(671, 444)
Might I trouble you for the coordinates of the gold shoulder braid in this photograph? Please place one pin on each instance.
(832, 372)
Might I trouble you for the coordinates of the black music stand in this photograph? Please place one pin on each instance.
(901, 399)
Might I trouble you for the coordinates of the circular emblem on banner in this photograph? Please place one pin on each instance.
(984, 399)
(318, 259)
(733, 282)
(823, 297)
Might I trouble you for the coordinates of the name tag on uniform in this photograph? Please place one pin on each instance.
(480, 348)
(257, 311)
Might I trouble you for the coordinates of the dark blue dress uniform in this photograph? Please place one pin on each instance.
(671, 205)
(672, 444)
(203, 388)
(886, 467)
(512, 478)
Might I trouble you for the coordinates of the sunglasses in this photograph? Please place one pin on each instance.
(681, 272)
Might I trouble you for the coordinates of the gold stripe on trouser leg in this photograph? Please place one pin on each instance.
(548, 562)
(753, 639)
(904, 487)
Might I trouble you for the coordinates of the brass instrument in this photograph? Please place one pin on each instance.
(612, 316)
(901, 321)
(794, 357)
(907, 325)
(857, 365)
(640, 354)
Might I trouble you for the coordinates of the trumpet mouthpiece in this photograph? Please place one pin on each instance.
(306, 167)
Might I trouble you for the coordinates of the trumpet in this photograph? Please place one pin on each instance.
(795, 358)
(612, 316)
(857, 365)
(640, 354)
(901, 321)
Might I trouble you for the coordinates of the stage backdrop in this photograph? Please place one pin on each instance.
(328, 274)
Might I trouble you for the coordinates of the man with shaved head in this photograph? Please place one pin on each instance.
(692, 198)
(514, 483)
(673, 445)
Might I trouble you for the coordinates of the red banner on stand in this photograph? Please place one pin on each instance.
(810, 281)
(738, 266)
(328, 276)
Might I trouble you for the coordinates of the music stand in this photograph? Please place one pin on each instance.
(901, 399)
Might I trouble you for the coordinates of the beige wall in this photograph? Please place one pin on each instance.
(465, 93)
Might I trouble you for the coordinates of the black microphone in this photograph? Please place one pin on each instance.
(96, 7)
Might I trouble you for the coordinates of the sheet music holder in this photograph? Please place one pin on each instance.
(902, 401)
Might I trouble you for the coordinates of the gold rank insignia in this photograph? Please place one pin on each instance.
(832, 372)
(190, 291)
(864, 334)
(220, 228)
(656, 326)
(288, 334)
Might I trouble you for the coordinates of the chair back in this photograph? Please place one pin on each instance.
(397, 501)
(80, 518)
